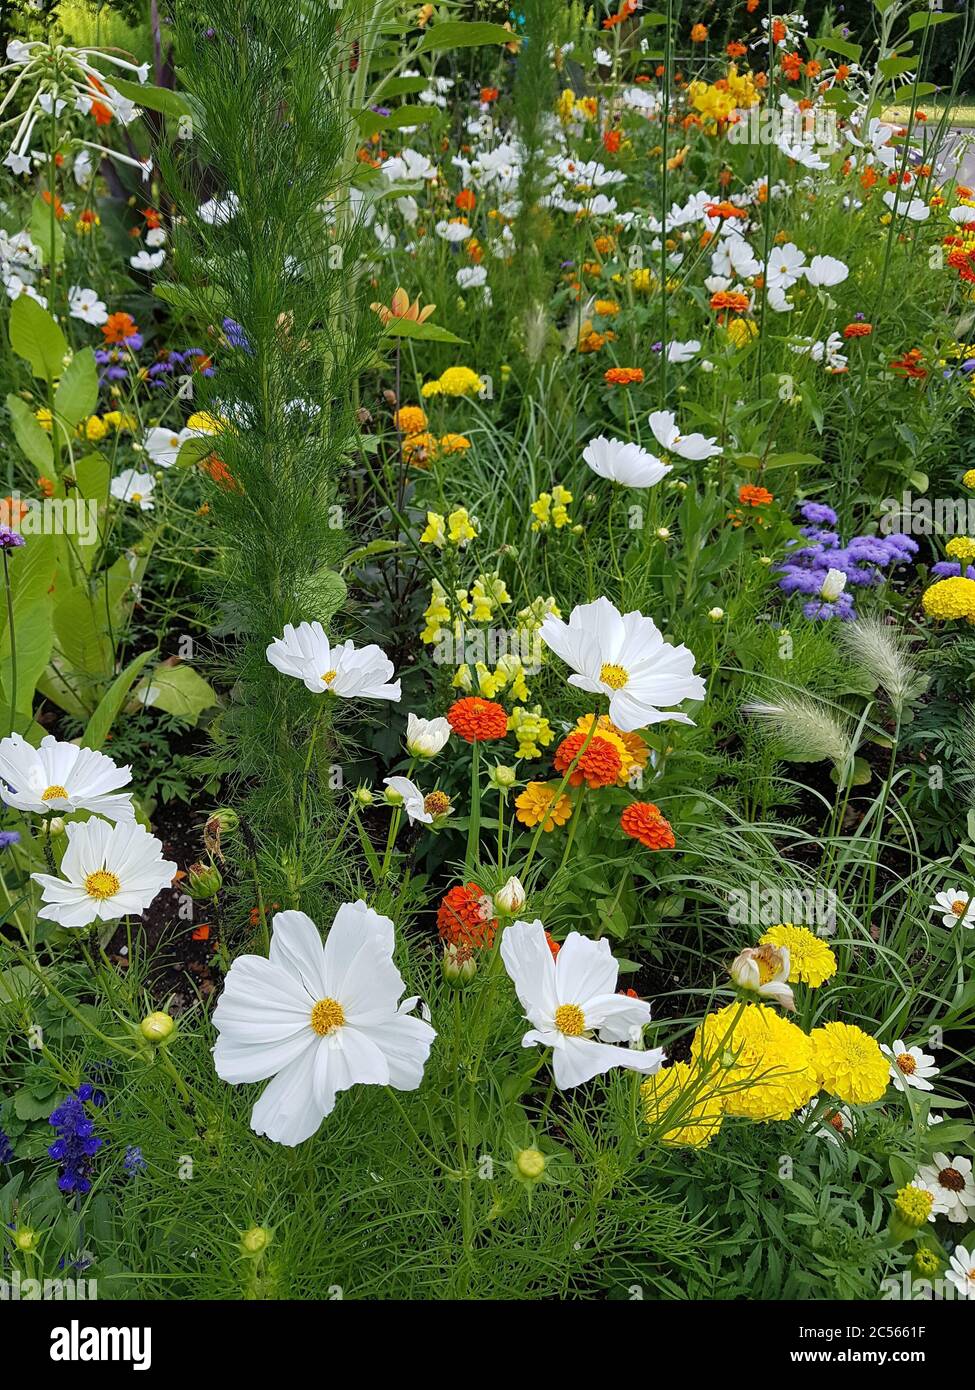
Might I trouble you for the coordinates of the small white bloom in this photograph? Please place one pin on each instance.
(85, 305)
(62, 777)
(216, 212)
(956, 905)
(624, 463)
(163, 445)
(346, 671)
(961, 1271)
(425, 738)
(826, 270)
(147, 260)
(133, 486)
(764, 970)
(833, 585)
(785, 266)
(688, 446)
(914, 209)
(573, 1005)
(471, 277)
(510, 897)
(108, 871)
(909, 1066)
(683, 352)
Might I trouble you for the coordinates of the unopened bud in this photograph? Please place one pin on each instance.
(530, 1164)
(204, 881)
(510, 898)
(157, 1027)
(255, 1240)
(459, 966)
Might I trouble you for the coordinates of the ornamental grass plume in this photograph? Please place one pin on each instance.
(882, 651)
(806, 729)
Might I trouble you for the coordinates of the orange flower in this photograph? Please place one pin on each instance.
(464, 916)
(736, 49)
(399, 307)
(752, 496)
(858, 330)
(537, 805)
(118, 327)
(643, 821)
(465, 200)
(612, 139)
(779, 30)
(910, 364)
(791, 64)
(813, 69)
(552, 944)
(623, 376)
(216, 469)
(489, 94)
(600, 765)
(842, 72)
(725, 210)
(868, 178)
(699, 33)
(477, 720)
(730, 300)
(45, 487)
(410, 419)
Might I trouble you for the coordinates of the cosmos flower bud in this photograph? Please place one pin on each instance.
(55, 826)
(156, 1027)
(224, 820)
(392, 797)
(364, 796)
(204, 881)
(530, 1164)
(25, 1239)
(425, 738)
(503, 777)
(458, 965)
(510, 898)
(256, 1240)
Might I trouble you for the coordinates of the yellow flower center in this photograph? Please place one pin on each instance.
(102, 884)
(54, 793)
(613, 676)
(137, 497)
(959, 906)
(906, 1063)
(327, 1016)
(570, 1020)
(436, 804)
(328, 677)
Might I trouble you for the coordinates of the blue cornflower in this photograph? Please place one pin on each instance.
(8, 838)
(77, 1143)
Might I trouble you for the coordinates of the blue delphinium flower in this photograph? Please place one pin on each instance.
(6, 1148)
(133, 1162)
(77, 1143)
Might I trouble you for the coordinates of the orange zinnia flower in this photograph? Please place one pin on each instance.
(644, 821)
(730, 300)
(699, 33)
(464, 917)
(477, 720)
(858, 330)
(623, 376)
(753, 496)
(600, 765)
(465, 200)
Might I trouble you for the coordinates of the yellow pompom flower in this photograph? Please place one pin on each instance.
(849, 1063)
(961, 548)
(811, 961)
(454, 444)
(766, 1067)
(913, 1204)
(44, 418)
(410, 419)
(93, 429)
(969, 478)
(681, 1099)
(537, 805)
(531, 729)
(950, 598)
(455, 381)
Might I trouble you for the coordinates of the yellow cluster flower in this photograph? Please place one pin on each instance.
(766, 1066)
(438, 614)
(719, 100)
(532, 730)
(565, 105)
(531, 618)
(606, 308)
(913, 1204)
(551, 509)
(950, 598)
(538, 805)
(410, 419)
(420, 448)
(93, 429)
(121, 422)
(849, 1063)
(681, 1099)
(487, 592)
(455, 381)
(44, 418)
(454, 444)
(811, 961)
(742, 331)
(508, 675)
(961, 548)
(969, 478)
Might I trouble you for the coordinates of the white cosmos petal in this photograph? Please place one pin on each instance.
(287, 1112)
(528, 960)
(575, 1060)
(296, 947)
(584, 968)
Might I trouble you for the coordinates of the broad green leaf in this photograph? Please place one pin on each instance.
(428, 332)
(32, 438)
(841, 46)
(903, 96)
(82, 640)
(923, 18)
(454, 33)
(100, 723)
(161, 99)
(77, 393)
(36, 338)
(372, 122)
(93, 474)
(178, 690)
(399, 87)
(894, 67)
(46, 233)
(34, 639)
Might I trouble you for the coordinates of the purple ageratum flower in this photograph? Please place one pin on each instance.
(113, 363)
(235, 335)
(819, 610)
(818, 513)
(199, 361)
(133, 1162)
(951, 569)
(380, 111)
(77, 1143)
(8, 838)
(9, 539)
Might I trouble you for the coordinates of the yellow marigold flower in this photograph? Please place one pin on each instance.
(811, 961)
(537, 805)
(643, 281)
(94, 429)
(969, 478)
(531, 729)
(606, 308)
(913, 1204)
(410, 419)
(950, 598)
(683, 1100)
(766, 1063)
(420, 448)
(742, 331)
(435, 532)
(849, 1063)
(961, 548)
(455, 381)
(454, 444)
(460, 530)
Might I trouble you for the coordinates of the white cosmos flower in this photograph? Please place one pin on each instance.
(624, 463)
(163, 445)
(471, 277)
(950, 1182)
(133, 486)
(914, 209)
(785, 266)
(909, 1066)
(454, 231)
(147, 260)
(826, 270)
(962, 215)
(956, 905)
(61, 777)
(833, 585)
(108, 871)
(688, 446)
(318, 1018)
(217, 212)
(85, 305)
(347, 671)
(961, 1271)
(623, 656)
(412, 799)
(572, 1005)
(425, 738)
(683, 352)
(764, 970)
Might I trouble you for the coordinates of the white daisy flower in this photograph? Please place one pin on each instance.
(624, 656)
(163, 445)
(133, 486)
(688, 446)
(85, 305)
(347, 671)
(785, 266)
(624, 463)
(826, 270)
(834, 1125)
(950, 1181)
(217, 212)
(961, 1271)
(147, 260)
(425, 738)
(108, 871)
(317, 1019)
(909, 1066)
(956, 905)
(573, 1005)
(61, 777)
(683, 352)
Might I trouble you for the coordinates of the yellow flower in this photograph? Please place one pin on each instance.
(94, 428)
(950, 598)
(121, 422)
(681, 1098)
(742, 331)
(811, 961)
(455, 381)
(606, 308)
(634, 753)
(460, 531)
(969, 478)
(913, 1204)
(420, 448)
(435, 532)
(961, 548)
(438, 613)
(566, 105)
(204, 423)
(454, 444)
(487, 592)
(44, 418)
(551, 509)
(410, 419)
(766, 1070)
(849, 1063)
(537, 805)
(532, 730)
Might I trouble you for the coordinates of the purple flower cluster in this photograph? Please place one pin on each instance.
(10, 539)
(6, 1148)
(77, 1143)
(865, 562)
(8, 838)
(116, 363)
